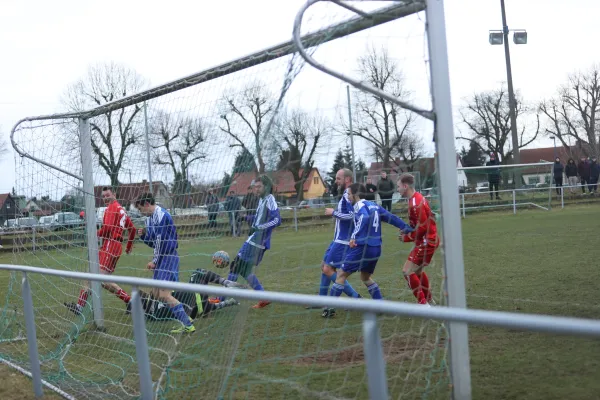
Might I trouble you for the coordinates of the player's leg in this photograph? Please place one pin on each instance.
(367, 268)
(169, 271)
(412, 273)
(351, 264)
(108, 263)
(250, 258)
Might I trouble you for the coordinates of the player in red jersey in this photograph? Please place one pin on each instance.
(425, 237)
(115, 221)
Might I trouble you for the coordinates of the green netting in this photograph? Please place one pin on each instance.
(222, 133)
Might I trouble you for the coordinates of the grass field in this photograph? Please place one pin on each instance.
(521, 263)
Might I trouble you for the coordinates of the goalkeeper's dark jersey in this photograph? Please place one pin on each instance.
(194, 304)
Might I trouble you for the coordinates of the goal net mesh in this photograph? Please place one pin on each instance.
(198, 149)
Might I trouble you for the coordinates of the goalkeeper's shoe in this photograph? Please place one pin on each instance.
(73, 307)
(328, 313)
(184, 329)
(214, 300)
(261, 304)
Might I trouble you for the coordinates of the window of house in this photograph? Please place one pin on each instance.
(534, 179)
(316, 180)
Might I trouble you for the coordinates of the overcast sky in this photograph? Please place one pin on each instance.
(45, 46)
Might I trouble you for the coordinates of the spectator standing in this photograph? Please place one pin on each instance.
(571, 173)
(594, 175)
(493, 176)
(386, 189)
(232, 206)
(250, 203)
(212, 206)
(583, 169)
(371, 190)
(558, 170)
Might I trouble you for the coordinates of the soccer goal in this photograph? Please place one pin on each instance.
(511, 186)
(199, 145)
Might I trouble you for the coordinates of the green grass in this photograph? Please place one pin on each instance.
(534, 262)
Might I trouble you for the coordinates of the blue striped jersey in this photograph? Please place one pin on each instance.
(368, 217)
(267, 218)
(344, 219)
(161, 235)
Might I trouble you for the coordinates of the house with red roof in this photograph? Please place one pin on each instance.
(284, 184)
(127, 193)
(423, 169)
(543, 174)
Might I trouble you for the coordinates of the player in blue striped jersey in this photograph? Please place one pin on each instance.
(250, 255)
(344, 224)
(365, 243)
(160, 234)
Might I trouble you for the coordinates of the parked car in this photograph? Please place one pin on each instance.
(66, 220)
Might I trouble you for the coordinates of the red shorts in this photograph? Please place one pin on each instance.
(109, 255)
(422, 255)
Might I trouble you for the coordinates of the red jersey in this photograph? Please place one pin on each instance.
(115, 221)
(422, 219)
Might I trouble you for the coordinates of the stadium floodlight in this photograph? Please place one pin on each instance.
(501, 37)
(520, 37)
(496, 37)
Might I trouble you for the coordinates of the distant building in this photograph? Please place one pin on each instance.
(127, 193)
(284, 184)
(535, 175)
(423, 169)
(8, 208)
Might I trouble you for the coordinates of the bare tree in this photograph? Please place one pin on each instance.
(384, 125)
(4, 150)
(177, 144)
(245, 119)
(299, 134)
(487, 118)
(115, 132)
(573, 115)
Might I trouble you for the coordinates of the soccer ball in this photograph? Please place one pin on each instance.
(220, 259)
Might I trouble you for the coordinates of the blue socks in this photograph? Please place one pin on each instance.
(180, 314)
(325, 281)
(336, 290)
(348, 289)
(374, 291)
(254, 282)
(232, 277)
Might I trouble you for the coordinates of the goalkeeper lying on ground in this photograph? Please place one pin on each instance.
(194, 304)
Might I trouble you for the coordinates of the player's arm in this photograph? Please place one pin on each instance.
(347, 210)
(274, 217)
(423, 213)
(360, 232)
(388, 217)
(131, 231)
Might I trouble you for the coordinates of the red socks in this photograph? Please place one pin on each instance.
(123, 295)
(420, 290)
(83, 295)
(425, 286)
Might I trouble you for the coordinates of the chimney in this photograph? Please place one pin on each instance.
(145, 182)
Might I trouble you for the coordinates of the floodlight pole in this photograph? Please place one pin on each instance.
(511, 94)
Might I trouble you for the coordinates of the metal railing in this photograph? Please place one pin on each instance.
(514, 203)
(375, 362)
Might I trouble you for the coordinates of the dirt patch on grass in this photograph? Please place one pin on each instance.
(395, 349)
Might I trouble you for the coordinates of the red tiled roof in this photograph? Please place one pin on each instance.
(126, 192)
(283, 181)
(547, 154)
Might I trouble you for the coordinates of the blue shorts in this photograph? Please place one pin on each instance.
(168, 269)
(335, 253)
(247, 258)
(362, 258)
